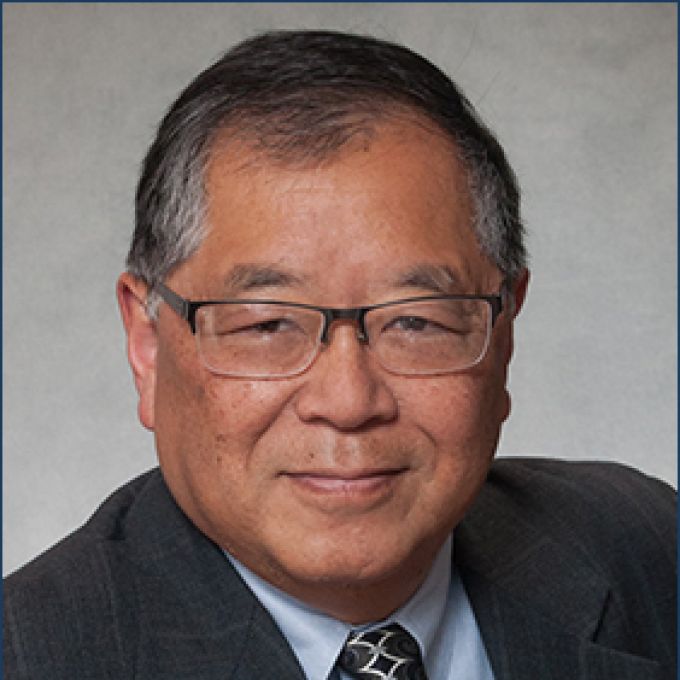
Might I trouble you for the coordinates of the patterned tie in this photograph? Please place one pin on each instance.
(388, 653)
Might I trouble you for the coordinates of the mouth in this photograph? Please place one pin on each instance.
(346, 483)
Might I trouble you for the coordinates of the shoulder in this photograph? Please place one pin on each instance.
(589, 546)
(75, 576)
(617, 519)
(69, 560)
(581, 477)
(600, 495)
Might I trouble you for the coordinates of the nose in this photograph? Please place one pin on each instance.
(344, 387)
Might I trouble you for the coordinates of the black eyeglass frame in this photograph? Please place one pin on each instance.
(187, 309)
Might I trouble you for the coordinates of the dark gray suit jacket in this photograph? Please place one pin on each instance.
(570, 569)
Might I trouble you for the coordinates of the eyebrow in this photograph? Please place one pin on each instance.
(242, 278)
(247, 277)
(436, 278)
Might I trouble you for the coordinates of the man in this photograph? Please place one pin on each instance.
(319, 302)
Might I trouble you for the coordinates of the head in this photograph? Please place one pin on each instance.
(338, 171)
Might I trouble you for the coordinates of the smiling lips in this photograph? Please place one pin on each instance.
(344, 483)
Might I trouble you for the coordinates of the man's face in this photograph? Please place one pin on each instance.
(346, 475)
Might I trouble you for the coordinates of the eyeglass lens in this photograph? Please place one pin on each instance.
(410, 338)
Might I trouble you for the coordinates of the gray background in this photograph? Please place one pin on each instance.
(582, 96)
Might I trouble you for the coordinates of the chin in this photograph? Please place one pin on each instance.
(351, 562)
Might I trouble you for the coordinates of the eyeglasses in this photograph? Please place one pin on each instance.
(430, 335)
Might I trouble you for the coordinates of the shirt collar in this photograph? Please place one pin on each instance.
(317, 638)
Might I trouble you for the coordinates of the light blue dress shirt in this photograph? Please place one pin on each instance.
(438, 616)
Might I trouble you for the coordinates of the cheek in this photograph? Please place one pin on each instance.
(238, 413)
(208, 435)
(222, 429)
(460, 413)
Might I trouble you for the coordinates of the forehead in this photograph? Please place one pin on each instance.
(393, 199)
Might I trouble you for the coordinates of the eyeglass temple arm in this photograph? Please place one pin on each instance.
(178, 304)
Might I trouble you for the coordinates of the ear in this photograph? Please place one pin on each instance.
(519, 291)
(142, 342)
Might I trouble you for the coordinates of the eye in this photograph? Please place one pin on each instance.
(417, 325)
(266, 327)
(271, 326)
(435, 320)
(410, 323)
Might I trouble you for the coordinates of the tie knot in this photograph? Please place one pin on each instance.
(388, 653)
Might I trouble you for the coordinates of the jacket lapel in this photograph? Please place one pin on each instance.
(539, 604)
(524, 643)
(195, 618)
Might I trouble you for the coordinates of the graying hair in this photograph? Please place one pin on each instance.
(299, 96)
